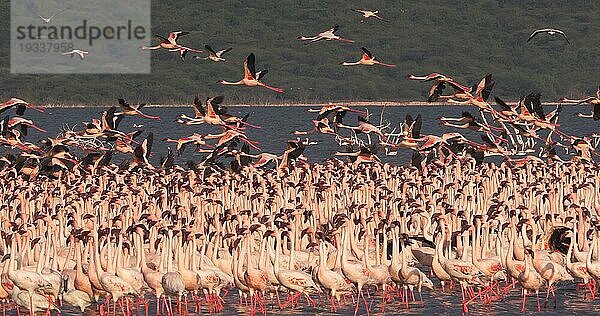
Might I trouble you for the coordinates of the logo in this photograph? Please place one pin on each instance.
(100, 36)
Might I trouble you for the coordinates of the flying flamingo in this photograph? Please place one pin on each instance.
(439, 84)
(367, 59)
(328, 35)
(20, 105)
(364, 154)
(321, 126)
(369, 14)
(550, 32)
(47, 20)
(592, 100)
(329, 108)
(251, 77)
(364, 126)
(170, 43)
(79, 52)
(128, 109)
(182, 142)
(215, 56)
(482, 93)
(23, 124)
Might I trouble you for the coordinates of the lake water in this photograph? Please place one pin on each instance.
(279, 122)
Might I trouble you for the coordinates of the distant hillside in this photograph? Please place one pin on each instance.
(464, 39)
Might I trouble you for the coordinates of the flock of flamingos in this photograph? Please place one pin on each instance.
(80, 230)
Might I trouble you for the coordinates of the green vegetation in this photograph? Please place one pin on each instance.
(463, 39)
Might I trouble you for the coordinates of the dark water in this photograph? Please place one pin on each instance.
(278, 123)
(570, 301)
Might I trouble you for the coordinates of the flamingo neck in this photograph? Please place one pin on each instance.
(229, 83)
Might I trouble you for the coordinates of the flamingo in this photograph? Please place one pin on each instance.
(47, 20)
(369, 14)
(330, 279)
(577, 269)
(293, 280)
(367, 59)
(215, 56)
(21, 105)
(172, 281)
(337, 108)
(460, 271)
(256, 280)
(170, 43)
(128, 109)
(78, 52)
(412, 276)
(439, 84)
(321, 126)
(550, 31)
(29, 281)
(110, 282)
(195, 138)
(482, 93)
(328, 35)
(364, 154)
(23, 124)
(530, 279)
(75, 297)
(251, 77)
(592, 100)
(366, 127)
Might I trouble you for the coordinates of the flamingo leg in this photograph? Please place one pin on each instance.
(524, 298)
(279, 90)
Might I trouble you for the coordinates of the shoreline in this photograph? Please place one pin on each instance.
(315, 105)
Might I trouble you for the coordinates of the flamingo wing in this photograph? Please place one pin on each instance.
(366, 54)
(249, 67)
(212, 52)
(198, 107)
(536, 32)
(223, 51)
(162, 38)
(125, 105)
(563, 35)
(415, 129)
(261, 74)
(459, 87)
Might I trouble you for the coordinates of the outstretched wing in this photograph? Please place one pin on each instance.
(366, 53)
(162, 38)
(416, 127)
(198, 107)
(563, 35)
(503, 104)
(210, 49)
(223, 51)
(249, 68)
(536, 32)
